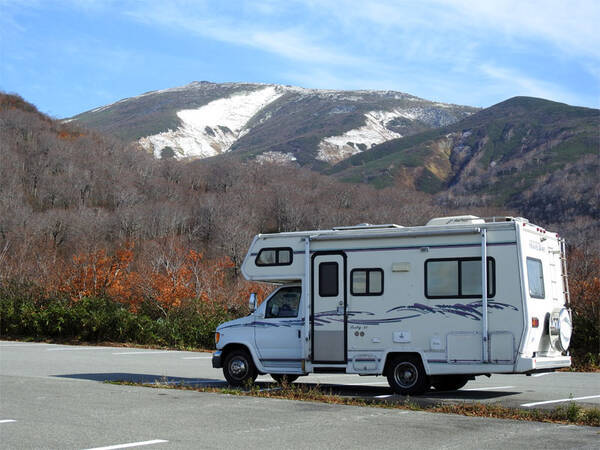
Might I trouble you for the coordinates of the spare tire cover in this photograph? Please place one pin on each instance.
(565, 327)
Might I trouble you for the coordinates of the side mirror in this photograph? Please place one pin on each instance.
(252, 302)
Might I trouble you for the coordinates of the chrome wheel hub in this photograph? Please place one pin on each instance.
(239, 368)
(406, 374)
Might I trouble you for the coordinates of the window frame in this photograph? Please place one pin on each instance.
(537, 260)
(367, 293)
(275, 294)
(277, 251)
(491, 281)
(337, 278)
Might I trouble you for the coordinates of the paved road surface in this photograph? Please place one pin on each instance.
(51, 397)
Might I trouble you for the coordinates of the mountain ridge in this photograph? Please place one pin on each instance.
(327, 126)
(522, 151)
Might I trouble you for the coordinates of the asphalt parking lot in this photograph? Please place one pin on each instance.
(52, 396)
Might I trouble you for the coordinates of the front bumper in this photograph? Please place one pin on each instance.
(216, 360)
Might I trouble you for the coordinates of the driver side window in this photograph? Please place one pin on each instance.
(284, 304)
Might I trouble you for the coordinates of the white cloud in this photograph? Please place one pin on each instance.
(570, 25)
(292, 43)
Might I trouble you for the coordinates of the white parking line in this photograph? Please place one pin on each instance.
(345, 382)
(203, 381)
(488, 388)
(197, 357)
(542, 374)
(131, 444)
(7, 420)
(141, 353)
(562, 400)
(75, 349)
(383, 396)
(23, 344)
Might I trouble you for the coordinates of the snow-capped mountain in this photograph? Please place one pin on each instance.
(213, 128)
(268, 122)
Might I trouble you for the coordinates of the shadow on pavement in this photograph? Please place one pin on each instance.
(431, 396)
(365, 392)
(145, 378)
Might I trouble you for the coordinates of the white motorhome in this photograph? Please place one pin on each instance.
(433, 305)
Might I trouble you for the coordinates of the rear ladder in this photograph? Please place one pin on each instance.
(564, 274)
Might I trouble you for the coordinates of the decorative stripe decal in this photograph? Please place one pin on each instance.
(470, 310)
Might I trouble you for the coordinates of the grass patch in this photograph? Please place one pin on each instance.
(572, 413)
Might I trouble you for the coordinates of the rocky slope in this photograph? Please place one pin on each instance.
(534, 154)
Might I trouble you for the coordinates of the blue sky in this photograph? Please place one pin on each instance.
(73, 55)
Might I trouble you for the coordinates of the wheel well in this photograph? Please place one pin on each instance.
(231, 347)
(390, 356)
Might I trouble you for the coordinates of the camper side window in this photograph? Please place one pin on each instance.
(281, 256)
(535, 278)
(366, 282)
(458, 278)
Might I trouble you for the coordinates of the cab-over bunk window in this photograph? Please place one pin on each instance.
(278, 256)
(458, 278)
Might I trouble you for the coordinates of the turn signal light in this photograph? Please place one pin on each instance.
(217, 337)
(535, 322)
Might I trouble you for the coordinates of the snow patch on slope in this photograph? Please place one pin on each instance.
(213, 128)
(275, 158)
(337, 148)
(334, 149)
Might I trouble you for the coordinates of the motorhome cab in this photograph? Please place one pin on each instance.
(433, 305)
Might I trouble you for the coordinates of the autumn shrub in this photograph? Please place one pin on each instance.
(98, 296)
(584, 286)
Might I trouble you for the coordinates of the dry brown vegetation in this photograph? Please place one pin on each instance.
(86, 216)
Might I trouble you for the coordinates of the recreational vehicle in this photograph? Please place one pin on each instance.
(432, 305)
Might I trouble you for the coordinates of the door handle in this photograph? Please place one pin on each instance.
(298, 334)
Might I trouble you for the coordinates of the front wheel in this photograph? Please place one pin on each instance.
(406, 375)
(239, 368)
(284, 378)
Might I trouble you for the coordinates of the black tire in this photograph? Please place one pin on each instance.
(449, 382)
(406, 375)
(239, 368)
(284, 378)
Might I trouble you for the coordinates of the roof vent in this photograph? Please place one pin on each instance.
(454, 220)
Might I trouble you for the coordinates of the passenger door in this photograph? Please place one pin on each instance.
(278, 334)
(328, 319)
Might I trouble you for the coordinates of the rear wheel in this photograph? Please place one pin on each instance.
(449, 382)
(239, 368)
(284, 378)
(407, 376)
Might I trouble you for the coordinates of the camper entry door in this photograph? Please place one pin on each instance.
(328, 320)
